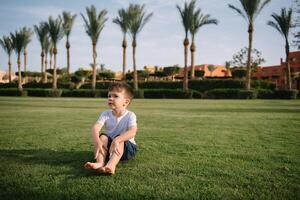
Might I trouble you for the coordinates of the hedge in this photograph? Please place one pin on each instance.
(170, 94)
(12, 92)
(44, 92)
(285, 94)
(231, 93)
(84, 93)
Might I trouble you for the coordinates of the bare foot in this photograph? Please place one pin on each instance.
(93, 166)
(110, 170)
(100, 170)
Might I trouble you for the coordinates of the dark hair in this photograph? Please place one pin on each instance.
(119, 86)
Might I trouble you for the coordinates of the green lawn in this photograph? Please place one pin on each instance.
(188, 149)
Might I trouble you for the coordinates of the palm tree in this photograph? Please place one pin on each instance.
(55, 30)
(251, 9)
(198, 20)
(47, 49)
(51, 54)
(186, 14)
(282, 23)
(123, 21)
(94, 24)
(68, 20)
(18, 40)
(27, 39)
(42, 35)
(6, 44)
(137, 20)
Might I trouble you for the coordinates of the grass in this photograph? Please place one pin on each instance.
(188, 149)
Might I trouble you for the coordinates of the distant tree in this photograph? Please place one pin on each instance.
(199, 73)
(106, 75)
(41, 32)
(27, 32)
(55, 30)
(138, 19)
(239, 72)
(211, 68)
(198, 20)
(123, 21)
(240, 58)
(250, 10)
(283, 23)
(94, 24)
(172, 70)
(186, 14)
(18, 40)
(6, 44)
(67, 24)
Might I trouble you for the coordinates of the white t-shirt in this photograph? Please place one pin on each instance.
(117, 125)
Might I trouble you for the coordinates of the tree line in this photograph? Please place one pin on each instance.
(131, 20)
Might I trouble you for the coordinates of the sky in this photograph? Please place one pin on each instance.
(160, 43)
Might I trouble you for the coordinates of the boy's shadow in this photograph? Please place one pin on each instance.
(74, 160)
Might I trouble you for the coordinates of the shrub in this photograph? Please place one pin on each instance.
(285, 94)
(247, 94)
(44, 92)
(265, 94)
(9, 85)
(166, 93)
(138, 94)
(99, 85)
(84, 93)
(209, 84)
(12, 92)
(223, 94)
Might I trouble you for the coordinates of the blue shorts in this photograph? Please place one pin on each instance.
(130, 149)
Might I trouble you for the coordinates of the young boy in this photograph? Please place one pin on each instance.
(118, 142)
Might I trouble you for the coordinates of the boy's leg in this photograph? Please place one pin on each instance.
(114, 159)
(100, 160)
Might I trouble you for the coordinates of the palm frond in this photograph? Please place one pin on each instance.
(238, 11)
(6, 44)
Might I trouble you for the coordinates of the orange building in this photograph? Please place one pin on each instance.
(217, 71)
(276, 73)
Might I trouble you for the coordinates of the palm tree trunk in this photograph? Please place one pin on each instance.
(68, 56)
(54, 69)
(124, 45)
(51, 53)
(94, 67)
(19, 74)
(9, 68)
(45, 72)
(185, 78)
(25, 65)
(135, 78)
(42, 65)
(193, 49)
(248, 75)
(287, 63)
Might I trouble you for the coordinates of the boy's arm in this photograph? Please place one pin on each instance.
(130, 133)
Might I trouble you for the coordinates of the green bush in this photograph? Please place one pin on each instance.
(265, 94)
(84, 93)
(285, 94)
(99, 85)
(12, 92)
(247, 94)
(138, 94)
(44, 92)
(9, 85)
(231, 93)
(166, 94)
(209, 84)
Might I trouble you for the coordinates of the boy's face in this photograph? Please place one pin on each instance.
(118, 99)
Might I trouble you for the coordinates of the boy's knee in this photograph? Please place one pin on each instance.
(103, 137)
